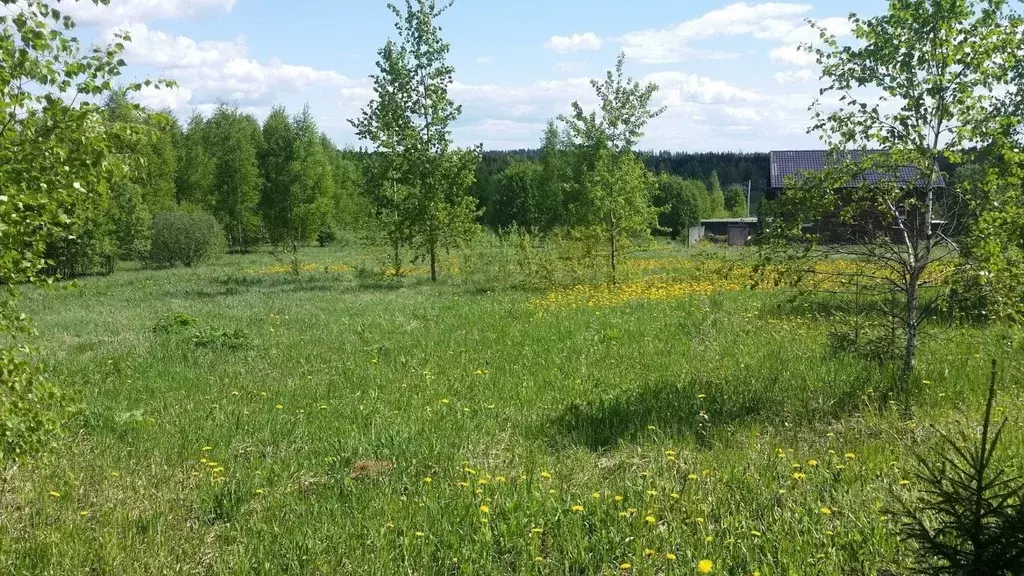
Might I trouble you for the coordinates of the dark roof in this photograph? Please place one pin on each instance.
(788, 163)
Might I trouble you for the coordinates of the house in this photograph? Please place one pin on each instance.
(792, 163)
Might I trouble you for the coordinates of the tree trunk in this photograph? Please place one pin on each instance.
(612, 247)
(433, 262)
(398, 258)
(910, 349)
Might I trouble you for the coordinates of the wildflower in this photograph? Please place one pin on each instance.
(538, 559)
(545, 475)
(850, 456)
(670, 556)
(462, 484)
(485, 509)
(799, 476)
(83, 513)
(709, 539)
(54, 494)
(596, 495)
(420, 534)
(904, 482)
(577, 508)
(698, 520)
(625, 566)
(623, 514)
(705, 566)
(445, 401)
(279, 407)
(701, 396)
(652, 492)
(692, 477)
(812, 463)
(825, 511)
(428, 479)
(618, 498)
(651, 520)
(648, 553)
(670, 452)
(500, 479)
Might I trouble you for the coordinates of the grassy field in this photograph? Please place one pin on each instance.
(331, 424)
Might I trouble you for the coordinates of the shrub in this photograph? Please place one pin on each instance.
(184, 238)
(86, 248)
(326, 236)
(29, 406)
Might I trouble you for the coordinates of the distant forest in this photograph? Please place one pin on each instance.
(733, 169)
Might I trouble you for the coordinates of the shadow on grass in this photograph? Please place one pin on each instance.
(700, 408)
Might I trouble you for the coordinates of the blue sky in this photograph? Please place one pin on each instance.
(729, 74)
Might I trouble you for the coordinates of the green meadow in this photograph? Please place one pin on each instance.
(237, 418)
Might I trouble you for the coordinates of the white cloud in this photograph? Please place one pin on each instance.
(210, 70)
(677, 88)
(793, 76)
(792, 54)
(574, 43)
(164, 98)
(668, 45)
(120, 12)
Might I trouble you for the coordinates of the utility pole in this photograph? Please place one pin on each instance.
(748, 197)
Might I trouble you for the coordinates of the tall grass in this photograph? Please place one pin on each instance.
(443, 429)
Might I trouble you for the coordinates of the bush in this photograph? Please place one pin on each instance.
(326, 236)
(184, 238)
(85, 249)
(29, 407)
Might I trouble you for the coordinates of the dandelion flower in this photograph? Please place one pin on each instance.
(618, 498)
(83, 513)
(538, 559)
(428, 479)
(54, 494)
(850, 456)
(595, 495)
(651, 520)
(825, 511)
(546, 475)
(279, 407)
(692, 477)
(812, 463)
(485, 509)
(670, 556)
(648, 553)
(705, 566)
(577, 508)
(799, 475)
(625, 566)
(701, 396)
(904, 482)
(420, 534)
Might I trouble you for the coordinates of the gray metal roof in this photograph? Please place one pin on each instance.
(788, 163)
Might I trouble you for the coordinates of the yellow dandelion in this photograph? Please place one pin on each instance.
(825, 511)
(651, 520)
(596, 495)
(420, 534)
(279, 407)
(618, 498)
(54, 494)
(670, 556)
(701, 396)
(445, 401)
(625, 566)
(904, 482)
(705, 567)
(648, 553)
(538, 559)
(83, 513)
(799, 475)
(850, 456)
(812, 463)
(577, 508)
(485, 509)
(692, 477)
(545, 475)
(428, 479)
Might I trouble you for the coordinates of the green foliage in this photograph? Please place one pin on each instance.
(275, 162)
(194, 179)
(613, 189)
(420, 180)
(714, 206)
(30, 406)
(936, 60)
(169, 323)
(680, 204)
(311, 197)
(131, 221)
(518, 198)
(970, 518)
(233, 140)
(184, 238)
(736, 202)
